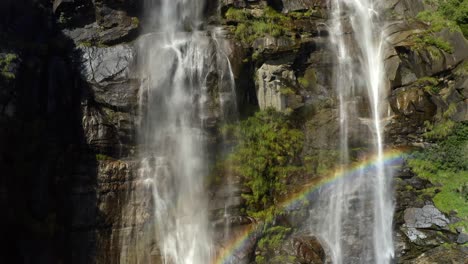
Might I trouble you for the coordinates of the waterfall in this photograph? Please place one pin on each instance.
(187, 88)
(354, 217)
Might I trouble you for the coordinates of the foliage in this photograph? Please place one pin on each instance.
(322, 161)
(427, 40)
(135, 21)
(102, 157)
(443, 125)
(430, 85)
(250, 28)
(445, 164)
(452, 14)
(5, 65)
(272, 239)
(268, 146)
(287, 91)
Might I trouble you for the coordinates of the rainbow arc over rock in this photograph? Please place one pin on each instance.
(238, 244)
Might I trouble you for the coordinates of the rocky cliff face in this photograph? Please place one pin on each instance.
(69, 96)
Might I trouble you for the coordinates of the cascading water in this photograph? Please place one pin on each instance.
(187, 86)
(354, 217)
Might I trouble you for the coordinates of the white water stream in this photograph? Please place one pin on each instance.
(187, 86)
(354, 216)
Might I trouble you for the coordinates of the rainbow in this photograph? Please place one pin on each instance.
(247, 236)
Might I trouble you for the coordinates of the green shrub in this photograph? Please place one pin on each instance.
(443, 126)
(427, 40)
(430, 85)
(268, 146)
(250, 28)
(270, 242)
(236, 14)
(102, 157)
(445, 164)
(5, 64)
(452, 14)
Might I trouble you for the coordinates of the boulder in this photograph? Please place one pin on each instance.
(107, 64)
(425, 217)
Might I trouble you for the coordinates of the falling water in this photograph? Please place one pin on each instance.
(355, 218)
(187, 88)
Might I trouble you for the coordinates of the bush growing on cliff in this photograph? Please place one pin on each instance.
(445, 164)
(452, 14)
(250, 27)
(268, 146)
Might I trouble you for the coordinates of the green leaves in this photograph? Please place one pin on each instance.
(268, 147)
(445, 164)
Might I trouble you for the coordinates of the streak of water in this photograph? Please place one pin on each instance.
(356, 221)
(187, 85)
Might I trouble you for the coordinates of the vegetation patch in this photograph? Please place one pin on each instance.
(445, 164)
(6, 62)
(426, 40)
(249, 27)
(272, 239)
(429, 84)
(443, 125)
(451, 14)
(103, 157)
(265, 157)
